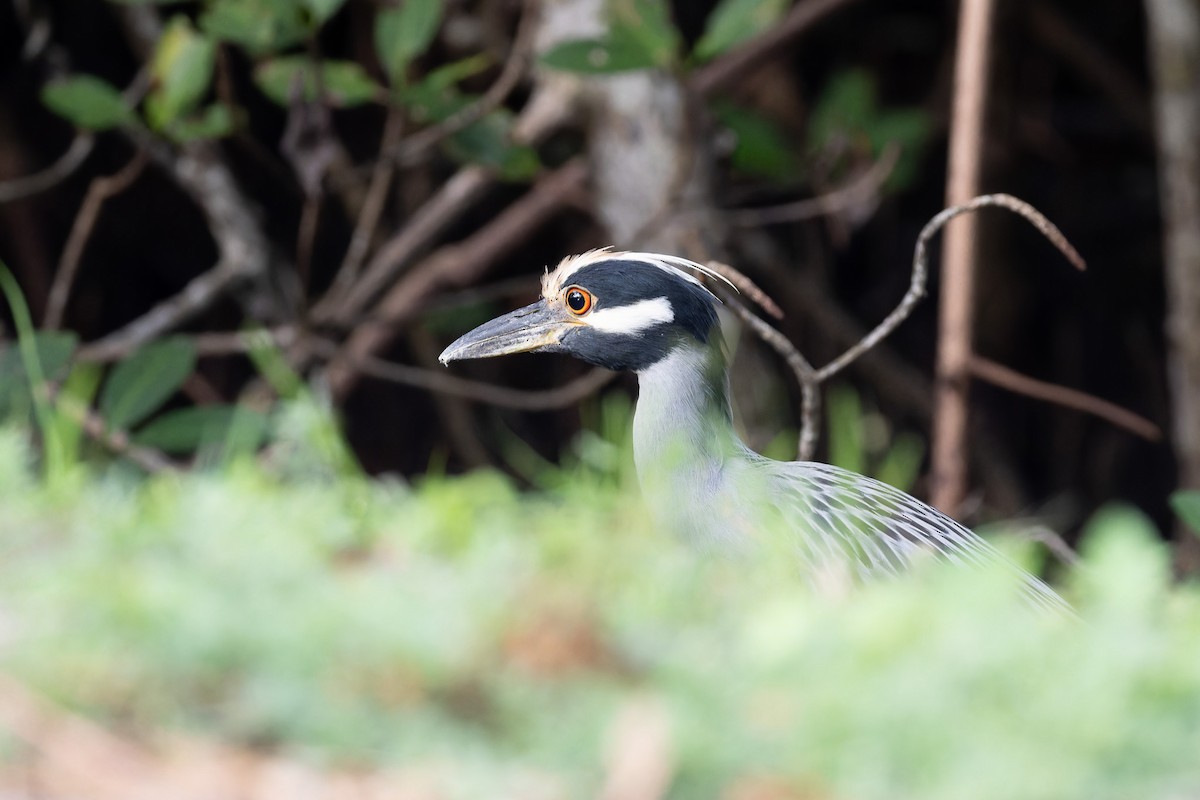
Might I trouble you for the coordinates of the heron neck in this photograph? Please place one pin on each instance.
(683, 415)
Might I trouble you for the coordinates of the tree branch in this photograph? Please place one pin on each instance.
(81, 147)
(98, 194)
(863, 188)
(1002, 376)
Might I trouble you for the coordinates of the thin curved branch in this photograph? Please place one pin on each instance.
(810, 379)
(369, 214)
(117, 441)
(743, 284)
(81, 147)
(806, 376)
(537, 400)
(862, 187)
(209, 345)
(920, 268)
(100, 191)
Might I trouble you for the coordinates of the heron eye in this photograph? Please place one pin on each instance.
(579, 300)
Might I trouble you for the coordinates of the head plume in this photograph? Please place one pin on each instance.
(555, 281)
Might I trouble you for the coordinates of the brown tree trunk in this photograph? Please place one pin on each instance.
(949, 478)
(1174, 32)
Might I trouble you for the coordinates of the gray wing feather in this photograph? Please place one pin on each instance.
(880, 529)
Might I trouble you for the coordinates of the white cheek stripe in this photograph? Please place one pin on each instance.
(633, 318)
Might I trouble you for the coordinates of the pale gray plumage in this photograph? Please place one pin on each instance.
(657, 320)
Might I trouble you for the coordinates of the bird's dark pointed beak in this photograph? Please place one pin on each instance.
(535, 327)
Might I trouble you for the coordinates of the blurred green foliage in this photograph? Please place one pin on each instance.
(1186, 504)
(862, 441)
(848, 116)
(290, 603)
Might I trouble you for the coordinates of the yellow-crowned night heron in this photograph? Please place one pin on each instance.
(644, 312)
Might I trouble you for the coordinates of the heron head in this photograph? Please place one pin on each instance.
(623, 311)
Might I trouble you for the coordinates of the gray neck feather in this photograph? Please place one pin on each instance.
(684, 445)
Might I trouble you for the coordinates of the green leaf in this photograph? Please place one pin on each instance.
(445, 77)
(431, 100)
(345, 84)
(761, 148)
(274, 366)
(846, 447)
(1186, 505)
(77, 391)
(598, 57)
(213, 122)
(52, 351)
(846, 107)
(908, 128)
(734, 21)
(848, 112)
(647, 25)
(489, 142)
(259, 26)
(55, 460)
(140, 384)
(186, 430)
(901, 464)
(402, 34)
(182, 69)
(322, 10)
(88, 102)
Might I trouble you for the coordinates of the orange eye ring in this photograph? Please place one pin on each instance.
(578, 300)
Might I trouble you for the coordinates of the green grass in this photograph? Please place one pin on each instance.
(460, 621)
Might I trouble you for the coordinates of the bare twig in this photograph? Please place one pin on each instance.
(1053, 542)
(98, 194)
(433, 380)
(117, 441)
(1002, 376)
(198, 295)
(372, 209)
(904, 385)
(244, 253)
(861, 189)
(920, 268)
(568, 394)
(60, 170)
(211, 345)
(749, 288)
(431, 219)
(306, 235)
(207, 345)
(806, 376)
(810, 378)
(955, 312)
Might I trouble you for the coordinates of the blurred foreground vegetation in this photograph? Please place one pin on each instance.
(288, 604)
